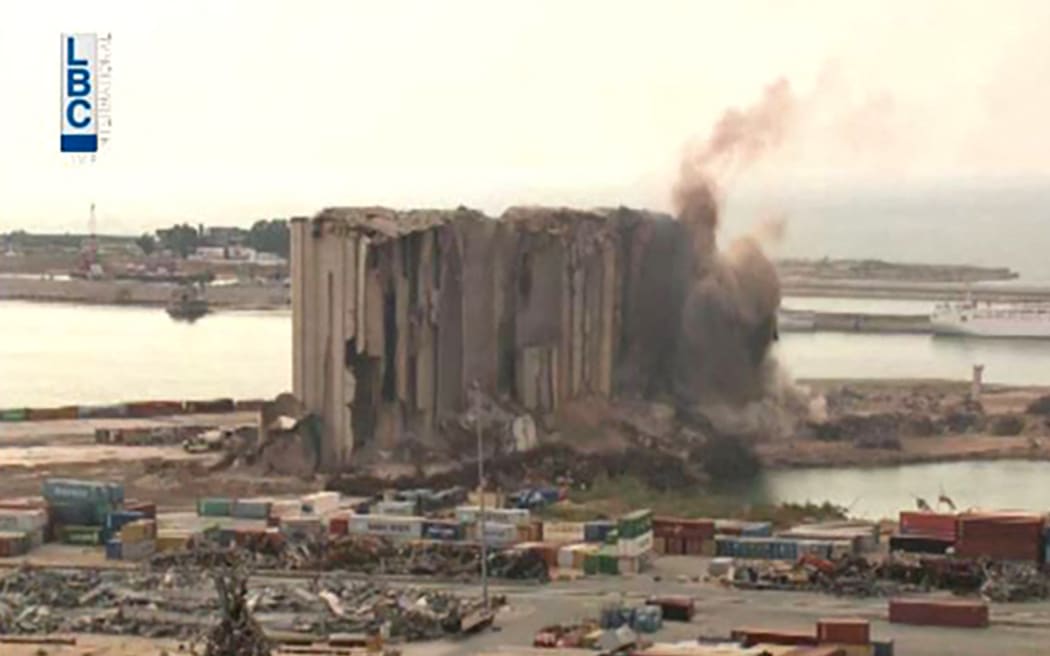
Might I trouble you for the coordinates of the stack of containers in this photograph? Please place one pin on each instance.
(925, 532)
(398, 508)
(21, 530)
(862, 537)
(635, 541)
(116, 520)
(79, 508)
(674, 536)
(1000, 536)
(171, 539)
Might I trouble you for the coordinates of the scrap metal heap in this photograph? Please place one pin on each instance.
(397, 314)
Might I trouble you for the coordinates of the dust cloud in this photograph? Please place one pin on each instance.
(724, 367)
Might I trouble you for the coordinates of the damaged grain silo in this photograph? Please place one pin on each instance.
(397, 313)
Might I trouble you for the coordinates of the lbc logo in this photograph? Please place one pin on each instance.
(79, 93)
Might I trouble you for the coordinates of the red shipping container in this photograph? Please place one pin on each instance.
(694, 546)
(750, 637)
(939, 612)
(339, 525)
(148, 510)
(845, 631)
(1001, 548)
(941, 525)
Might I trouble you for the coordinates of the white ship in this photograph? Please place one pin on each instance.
(1031, 320)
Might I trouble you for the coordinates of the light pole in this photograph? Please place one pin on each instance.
(481, 498)
(481, 504)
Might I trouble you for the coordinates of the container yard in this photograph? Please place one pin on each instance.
(902, 574)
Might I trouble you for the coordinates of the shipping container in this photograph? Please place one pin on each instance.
(846, 631)
(882, 647)
(64, 490)
(13, 544)
(926, 544)
(215, 507)
(113, 549)
(756, 530)
(563, 532)
(115, 411)
(498, 534)
(635, 546)
(304, 527)
(939, 612)
(173, 540)
(597, 530)
(286, 507)
(339, 524)
(141, 530)
(80, 535)
(80, 513)
(675, 608)
(635, 524)
(13, 414)
(397, 508)
(22, 521)
(213, 406)
(444, 530)
(1001, 536)
(688, 529)
(255, 508)
(750, 637)
(147, 508)
(941, 525)
(320, 503)
(390, 526)
(471, 514)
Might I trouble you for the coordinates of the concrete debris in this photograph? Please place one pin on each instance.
(234, 616)
(1006, 581)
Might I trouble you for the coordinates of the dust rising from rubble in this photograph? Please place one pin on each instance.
(724, 366)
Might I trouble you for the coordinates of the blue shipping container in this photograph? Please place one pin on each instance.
(116, 493)
(67, 489)
(597, 531)
(114, 550)
(80, 513)
(251, 509)
(882, 647)
(443, 531)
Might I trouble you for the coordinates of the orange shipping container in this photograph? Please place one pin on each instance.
(846, 631)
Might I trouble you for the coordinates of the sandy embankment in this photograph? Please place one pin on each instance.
(132, 292)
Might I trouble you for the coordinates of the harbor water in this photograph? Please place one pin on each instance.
(57, 354)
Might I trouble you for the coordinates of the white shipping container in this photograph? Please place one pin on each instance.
(391, 526)
(321, 502)
(22, 521)
(399, 508)
(634, 547)
(563, 532)
(500, 534)
(565, 557)
(470, 514)
(286, 507)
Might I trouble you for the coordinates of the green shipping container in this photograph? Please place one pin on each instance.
(215, 507)
(636, 523)
(608, 564)
(590, 564)
(13, 414)
(81, 535)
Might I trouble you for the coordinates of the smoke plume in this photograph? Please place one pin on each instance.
(723, 364)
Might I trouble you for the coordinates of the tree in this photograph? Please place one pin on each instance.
(180, 239)
(270, 237)
(147, 243)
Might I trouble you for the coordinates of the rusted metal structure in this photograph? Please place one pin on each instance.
(396, 313)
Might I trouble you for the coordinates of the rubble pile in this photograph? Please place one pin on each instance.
(222, 604)
(1006, 581)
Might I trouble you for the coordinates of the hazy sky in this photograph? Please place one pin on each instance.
(225, 112)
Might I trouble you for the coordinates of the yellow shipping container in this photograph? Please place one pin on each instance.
(138, 531)
(173, 540)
